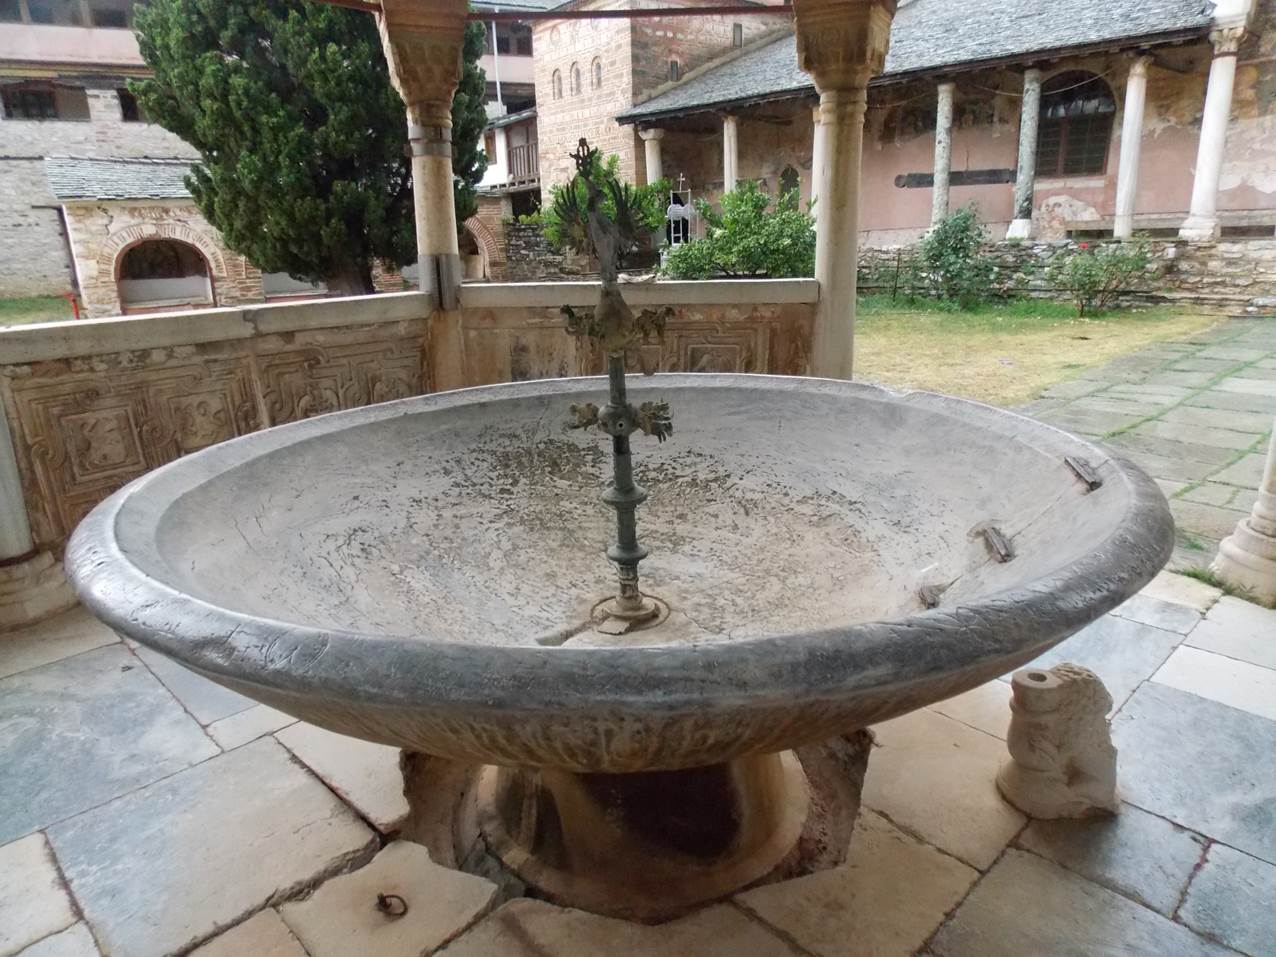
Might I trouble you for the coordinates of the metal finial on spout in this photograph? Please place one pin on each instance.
(614, 327)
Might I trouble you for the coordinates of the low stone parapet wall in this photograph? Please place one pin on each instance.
(92, 405)
(1225, 273)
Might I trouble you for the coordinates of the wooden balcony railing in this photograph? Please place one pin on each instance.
(524, 164)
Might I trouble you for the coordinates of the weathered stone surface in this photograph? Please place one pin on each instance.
(248, 725)
(1181, 590)
(889, 896)
(1237, 684)
(1165, 615)
(367, 775)
(1062, 763)
(1247, 385)
(1201, 435)
(1256, 422)
(75, 941)
(1134, 853)
(1238, 629)
(1026, 905)
(1214, 493)
(529, 928)
(52, 767)
(1121, 652)
(1246, 472)
(263, 935)
(1201, 764)
(986, 708)
(341, 918)
(1238, 402)
(33, 902)
(60, 637)
(1135, 444)
(204, 699)
(924, 754)
(1208, 521)
(1231, 900)
(222, 839)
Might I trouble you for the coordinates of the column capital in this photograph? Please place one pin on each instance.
(652, 133)
(1139, 63)
(1227, 42)
(422, 44)
(843, 43)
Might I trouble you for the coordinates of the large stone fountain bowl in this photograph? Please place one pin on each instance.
(423, 573)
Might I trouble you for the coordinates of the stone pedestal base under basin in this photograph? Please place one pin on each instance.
(423, 574)
(32, 588)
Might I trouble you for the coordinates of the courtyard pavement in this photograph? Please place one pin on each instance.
(145, 811)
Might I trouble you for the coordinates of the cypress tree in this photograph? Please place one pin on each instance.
(302, 139)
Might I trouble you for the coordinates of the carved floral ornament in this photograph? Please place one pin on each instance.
(1227, 42)
(843, 43)
(422, 44)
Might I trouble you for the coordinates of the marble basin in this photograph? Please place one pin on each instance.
(422, 573)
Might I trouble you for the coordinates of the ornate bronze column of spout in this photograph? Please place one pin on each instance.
(614, 327)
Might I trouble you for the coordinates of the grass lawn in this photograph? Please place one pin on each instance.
(1005, 353)
(17, 312)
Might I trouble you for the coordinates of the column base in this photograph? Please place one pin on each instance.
(1199, 229)
(32, 588)
(1019, 229)
(1247, 560)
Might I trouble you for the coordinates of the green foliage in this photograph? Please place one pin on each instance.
(302, 139)
(469, 119)
(564, 221)
(950, 264)
(748, 238)
(1095, 274)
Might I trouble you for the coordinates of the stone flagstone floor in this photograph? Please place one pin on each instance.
(145, 811)
(1194, 413)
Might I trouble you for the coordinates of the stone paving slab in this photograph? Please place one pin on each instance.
(1247, 386)
(1209, 521)
(1134, 853)
(1214, 399)
(1210, 435)
(366, 775)
(986, 708)
(889, 896)
(1181, 589)
(923, 751)
(341, 918)
(528, 928)
(1200, 764)
(1171, 449)
(264, 935)
(1237, 684)
(248, 725)
(1246, 472)
(1166, 615)
(1256, 423)
(1233, 900)
(1238, 629)
(33, 901)
(1121, 652)
(1214, 493)
(75, 941)
(60, 637)
(220, 839)
(1027, 905)
(206, 700)
(84, 730)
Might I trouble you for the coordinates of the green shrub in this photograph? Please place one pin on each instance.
(748, 238)
(950, 264)
(1094, 275)
(563, 220)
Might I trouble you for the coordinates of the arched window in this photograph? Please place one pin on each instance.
(596, 74)
(1077, 109)
(575, 79)
(675, 70)
(557, 82)
(161, 271)
(790, 182)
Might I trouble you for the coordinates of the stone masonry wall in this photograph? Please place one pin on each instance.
(532, 259)
(1225, 273)
(102, 232)
(32, 246)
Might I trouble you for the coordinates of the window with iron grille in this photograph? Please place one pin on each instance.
(30, 103)
(1075, 127)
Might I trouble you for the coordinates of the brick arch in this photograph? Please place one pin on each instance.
(111, 254)
(488, 243)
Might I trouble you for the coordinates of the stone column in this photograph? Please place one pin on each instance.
(32, 585)
(422, 43)
(841, 43)
(817, 161)
(651, 151)
(1202, 220)
(730, 152)
(1247, 557)
(943, 151)
(1136, 94)
(1026, 175)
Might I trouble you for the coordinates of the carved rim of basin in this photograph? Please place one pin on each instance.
(632, 707)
